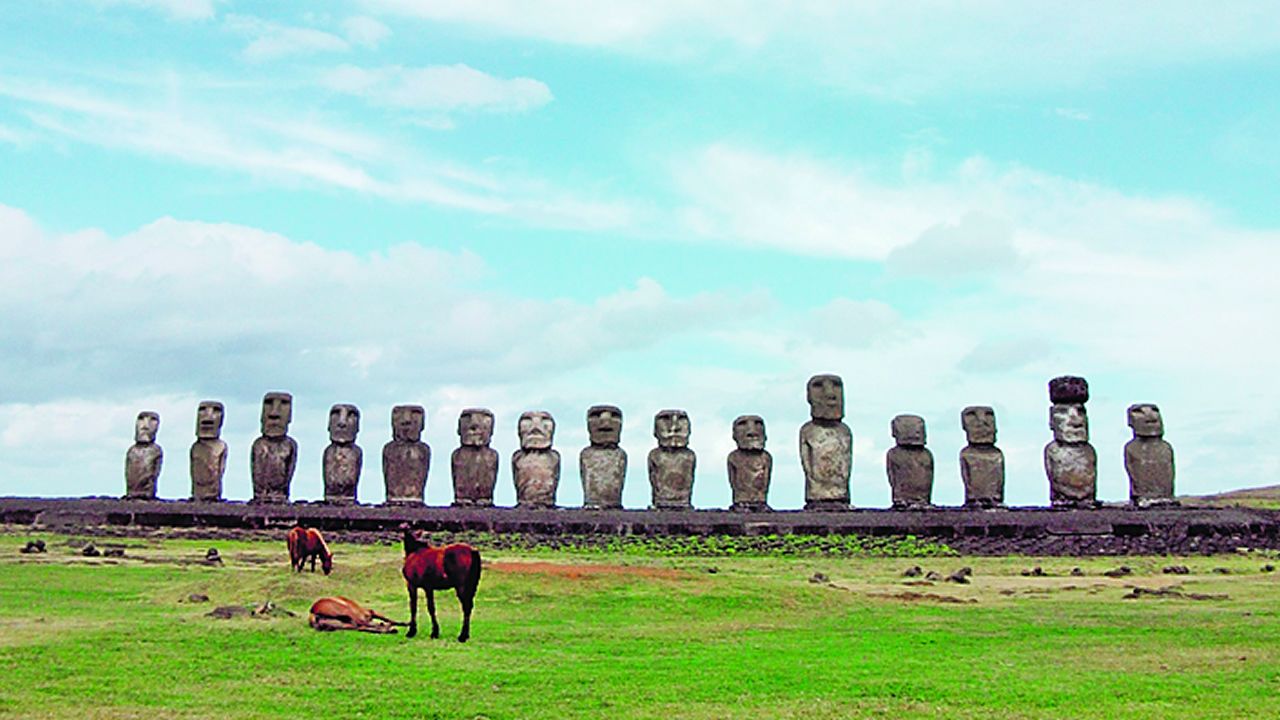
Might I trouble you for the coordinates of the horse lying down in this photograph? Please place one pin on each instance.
(340, 613)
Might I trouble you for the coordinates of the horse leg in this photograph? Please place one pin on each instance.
(313, 562)
(431, 608)
(413, 611)
(379, 616)
(467, 599)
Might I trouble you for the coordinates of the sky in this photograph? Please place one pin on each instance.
(550, 204)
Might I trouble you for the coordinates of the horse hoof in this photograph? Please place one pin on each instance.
(462, 638)
(411, 633)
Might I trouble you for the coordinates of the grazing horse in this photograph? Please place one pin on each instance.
(434, 568)
(340, 613)
(304, 543)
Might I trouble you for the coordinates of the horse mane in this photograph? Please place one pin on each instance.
(324, 546)
(411, 542)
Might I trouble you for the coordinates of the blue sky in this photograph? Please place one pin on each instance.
(551, 204)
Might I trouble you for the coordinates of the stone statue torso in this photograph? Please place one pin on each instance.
(537, 476)
(208, 464)
(1149, 462)
(749, 475)
(671, 477)
(982, 469)
(342, 463)
(910, 471)
(1073, 473)
(142, 470)
(475, 473)
(272, 463)
(826, 453)
(603, 470)
(405, 465)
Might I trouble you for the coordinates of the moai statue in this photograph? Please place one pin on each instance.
(602, 464)
(672, 463)
(981, 462)
(1148, 458)
(406, 459)
(208, 453)
(275, 454)
(142, 462)
(535, 466)
(909, 464)
(826, 446)
(475, 464)
(343, 458)
(750, 466)
(1070, 461)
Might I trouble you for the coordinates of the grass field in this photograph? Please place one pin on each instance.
(579, 635)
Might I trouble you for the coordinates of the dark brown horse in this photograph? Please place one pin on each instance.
(304, 543)
(340, 613)
(434, 568)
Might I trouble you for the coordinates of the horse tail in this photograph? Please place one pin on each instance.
(292, 539)
(473, 573)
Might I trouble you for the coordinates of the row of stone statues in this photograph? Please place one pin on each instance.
(826, 455)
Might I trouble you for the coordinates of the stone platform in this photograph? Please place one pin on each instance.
(1031, 531)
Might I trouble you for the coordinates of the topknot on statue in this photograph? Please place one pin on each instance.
(1069, 389)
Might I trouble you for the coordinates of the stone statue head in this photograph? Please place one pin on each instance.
(1068, 390)
(1145, 420)
(671, 428)
(979, 423)
(475, 427)
(1069, 423)
(908, 430)
(209, 419)
(344, 423)
(826, 397)
(146, 426)
(536, 429)
(604, 425)
(277, 412)
(748, 432)
(407, 422)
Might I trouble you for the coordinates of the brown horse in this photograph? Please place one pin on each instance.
(304, 543)
(434, 568)
(340, 613)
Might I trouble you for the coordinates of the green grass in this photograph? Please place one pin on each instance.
(600, 633)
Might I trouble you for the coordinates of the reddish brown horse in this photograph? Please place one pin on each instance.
(340, 613)
(434, 568)
(304, 543)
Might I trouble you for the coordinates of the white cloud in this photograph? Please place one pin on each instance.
(272, 40)
(365, 31)
(441, 87)
(895, 50)
(185, 10)
(977, 245)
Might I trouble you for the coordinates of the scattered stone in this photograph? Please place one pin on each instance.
(197, 598)
(1034, 572)
(927, 597)
(913, 571)
(1171, 592)
(32, 546)
(113, 552)
(713, 570)
(1222, 570)
(931, 575)
(1121, 571)
(960, 576)
(226, 612)
(90, 551)
(819, 578)
(211, 557)
(270, 609)
(1177, 570)
(1268, 568)
(1077, 572)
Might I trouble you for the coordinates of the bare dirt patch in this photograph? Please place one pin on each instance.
(924, 597)
(578, 572)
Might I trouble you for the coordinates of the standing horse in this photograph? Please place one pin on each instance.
(434, 568)
(340, 613)
(304, 543)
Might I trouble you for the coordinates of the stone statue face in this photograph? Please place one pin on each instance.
(826, 397)
(475, 427)
(536, 429)
(908, 430)
(407, 422)
(145, 427)
(277, 412)
(748, 432)
(209, 419)
(344, 423)
(1069, 423)
(1145, 420)
(604, 424)
(979, 423)
(671, 428)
